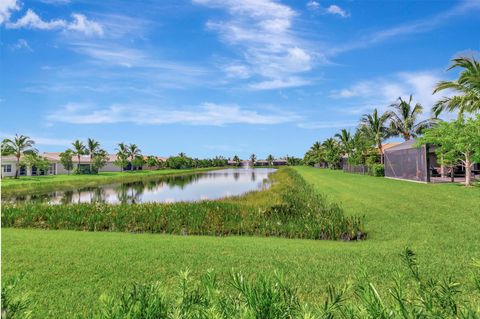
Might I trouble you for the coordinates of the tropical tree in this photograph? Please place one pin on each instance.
(404, 119)
(237, 160)
(66, 160)
(270, 159)
(253, 159)
(92, 148)
(457, 141)
(99, 160)
(152, 161)
(18, 146)
(138, 161)
(376, 126)
(133, 152)
(467, 88)
(332, 152)
(345, 141)
(122, 156)
(79, 149)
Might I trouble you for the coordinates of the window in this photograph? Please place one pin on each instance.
(7, 168)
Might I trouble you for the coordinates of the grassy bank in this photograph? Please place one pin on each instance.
(439, 222)
(38, 184)
(289, 208)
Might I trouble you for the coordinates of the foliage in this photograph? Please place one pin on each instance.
(291, 208)
(79, 149)
(404, 119)
(99, 160)
(467, 87)
(15, 305)
(138, 162)
(66, 160)
(18, 146)
(253, 159)
(153, 161)
(31, 160)
(345, 141)
(377, 170)
(456, 141)
(293, 161)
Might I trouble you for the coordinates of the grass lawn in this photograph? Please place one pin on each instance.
(29, 184)
(66, 271)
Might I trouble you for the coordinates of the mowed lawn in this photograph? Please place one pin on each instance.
(66, 271)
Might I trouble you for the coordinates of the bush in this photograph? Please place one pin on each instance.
(85, 170)
(14, 304)
(377, 170)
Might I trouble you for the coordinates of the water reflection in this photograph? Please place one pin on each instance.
(193, 187)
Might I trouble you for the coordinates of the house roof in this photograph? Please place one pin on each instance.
(55, 157)
(387, 146)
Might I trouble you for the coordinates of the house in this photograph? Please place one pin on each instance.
(9, 164)
(280, 162)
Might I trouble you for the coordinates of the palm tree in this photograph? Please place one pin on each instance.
(467, 86)
(404, 119)
(17, 146)
(122, 155)
(133, 151)
(332, 152)
(93, 147)
(270, 159)
(237, 160)
(345, 140)
(253, 159)
(376, 126)
(79, 149)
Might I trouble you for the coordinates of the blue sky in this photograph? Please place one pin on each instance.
(219, 77)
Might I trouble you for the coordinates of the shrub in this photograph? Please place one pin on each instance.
(377, 170)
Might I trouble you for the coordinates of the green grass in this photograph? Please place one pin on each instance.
(34, 184)
(67, 271)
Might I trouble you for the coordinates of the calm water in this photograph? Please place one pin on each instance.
(208, 185)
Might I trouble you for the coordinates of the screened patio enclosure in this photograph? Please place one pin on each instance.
(405, 161)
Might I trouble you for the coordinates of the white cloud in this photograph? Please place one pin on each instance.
(56, 2)
(279, 84)
(21, 44)
(206, 114)
(313, 5)
(334, 9)
(381, 92)
(80, 24)
(262, 34)
(237, 71)
(6, 9)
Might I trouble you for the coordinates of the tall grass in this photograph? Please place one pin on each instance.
(410, 295)
(290, 208)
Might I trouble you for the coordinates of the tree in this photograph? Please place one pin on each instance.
(332, 152)
(270, 159)
(66, 160)
(79, 149)
(31, 160)
(376, 126)
(404, 119)
(152, 161)
(42, 164)
(122, 156)
(345, 141)
(237, 160)
(456, 141)
(253, 159)
(133, 152)
(18, 146)
(99, 160)
(92, 148)
(467, 87)
(138, 161)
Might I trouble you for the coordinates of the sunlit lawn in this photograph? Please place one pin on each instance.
(66, 271)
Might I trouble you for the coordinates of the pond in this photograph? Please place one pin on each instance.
(166, 189)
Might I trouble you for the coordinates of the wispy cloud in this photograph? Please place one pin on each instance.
(79, 23)
(383, 91)
(262, 33)
(336, 10)
(419, 26)
(21, 44)
(207, 114)
(6, 9)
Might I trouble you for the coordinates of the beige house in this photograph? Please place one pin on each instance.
(9, 164)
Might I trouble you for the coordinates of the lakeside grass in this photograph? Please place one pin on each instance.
(439, 222)
(38, 184)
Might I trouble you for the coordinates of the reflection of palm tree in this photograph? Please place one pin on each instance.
(253, 176)
(99, 195)
(67, 197)
(236, 175)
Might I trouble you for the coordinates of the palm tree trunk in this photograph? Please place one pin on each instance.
(380, 148)
(17, 168)
(468, 170)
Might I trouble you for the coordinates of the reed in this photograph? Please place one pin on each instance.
(290, 208)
